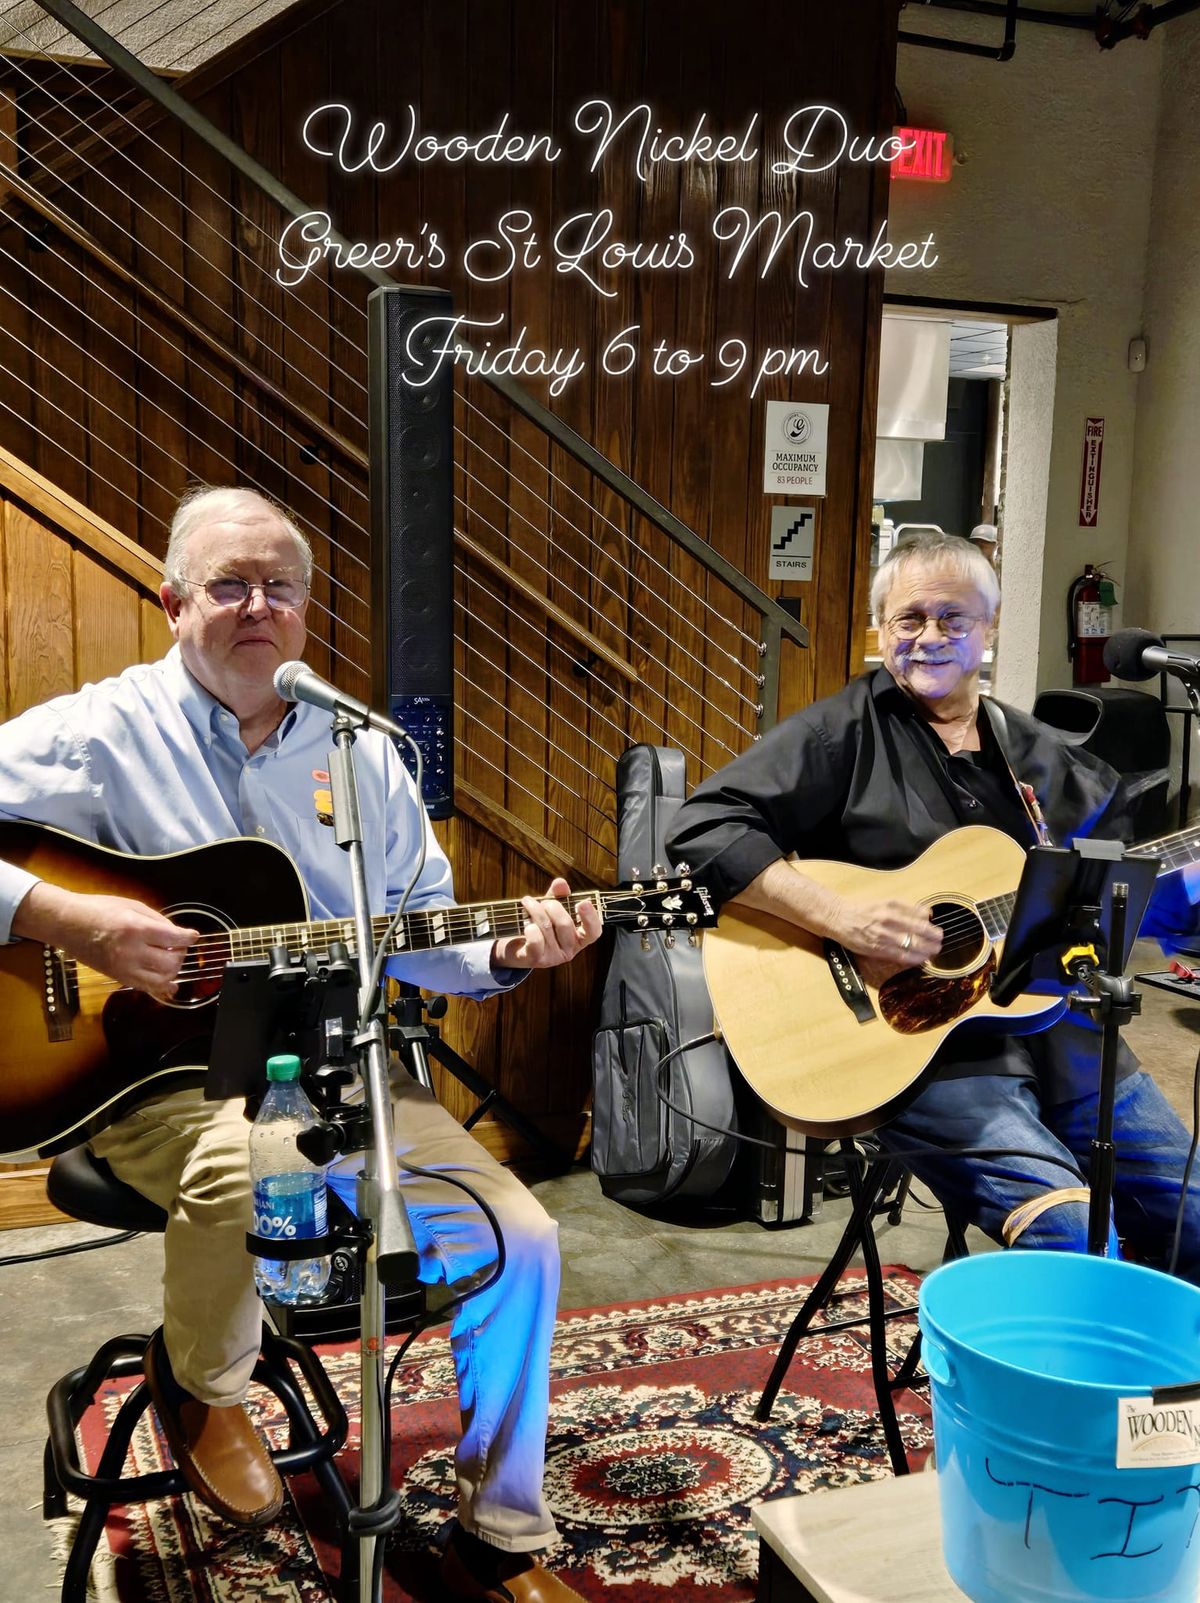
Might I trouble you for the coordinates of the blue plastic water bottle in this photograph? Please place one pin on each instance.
(289, 1192)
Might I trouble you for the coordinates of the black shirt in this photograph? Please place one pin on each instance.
(860, 777)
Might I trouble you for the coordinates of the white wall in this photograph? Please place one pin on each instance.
(1164, 545)
(1164, 540)
(1049, 205)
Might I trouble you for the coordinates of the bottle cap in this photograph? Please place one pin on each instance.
(284, 1067)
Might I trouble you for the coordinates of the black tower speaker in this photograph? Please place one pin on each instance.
(412, 525)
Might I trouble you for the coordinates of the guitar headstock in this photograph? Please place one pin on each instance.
(675, 905)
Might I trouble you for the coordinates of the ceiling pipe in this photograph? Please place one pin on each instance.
(1147, 18)
(961, 47)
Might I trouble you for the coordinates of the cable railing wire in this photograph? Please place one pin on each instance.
(540, 734)
(635, 712)
(24, 267)
(467, 402)
(90, 468)
(149, 326)
(525, 756)
(548, 535)
(544, 467)
(191, 397)
(139, 133)
(542, 801)
(561, 517)
(541, 466)
(474, 512)
(239, 289)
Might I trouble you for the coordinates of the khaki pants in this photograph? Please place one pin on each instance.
(192, 1158)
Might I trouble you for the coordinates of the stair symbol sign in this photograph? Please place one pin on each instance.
(792, 530)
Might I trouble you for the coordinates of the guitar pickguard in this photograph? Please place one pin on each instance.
(916, 1000)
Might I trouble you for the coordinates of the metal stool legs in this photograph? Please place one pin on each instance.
(866, 1188)
(309, 1447)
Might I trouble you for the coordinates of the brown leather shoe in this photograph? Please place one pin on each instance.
(520, 1579)
(219, 1453)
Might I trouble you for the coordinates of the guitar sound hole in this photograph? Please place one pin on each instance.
(964, 940)
(203, 966)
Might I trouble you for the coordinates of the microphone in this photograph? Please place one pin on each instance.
(1138, 654)
(295, 681)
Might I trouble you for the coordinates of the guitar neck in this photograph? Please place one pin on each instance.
(425, 930)
(1173, 851)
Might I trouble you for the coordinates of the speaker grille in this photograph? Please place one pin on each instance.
(412, 467)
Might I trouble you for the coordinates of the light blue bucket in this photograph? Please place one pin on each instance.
(1028, 1354)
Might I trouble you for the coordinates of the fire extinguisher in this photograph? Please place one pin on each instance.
(1090, 600)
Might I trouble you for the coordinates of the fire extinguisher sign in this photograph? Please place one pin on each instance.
(1089, 483)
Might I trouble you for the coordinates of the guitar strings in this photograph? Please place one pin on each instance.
(460, 918)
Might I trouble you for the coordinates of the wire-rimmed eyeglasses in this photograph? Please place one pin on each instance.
(283, 595)
(954, 625)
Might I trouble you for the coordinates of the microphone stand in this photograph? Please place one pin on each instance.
(1059, 912)
(390, 1260)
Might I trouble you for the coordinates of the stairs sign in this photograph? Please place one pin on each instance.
(792, 542)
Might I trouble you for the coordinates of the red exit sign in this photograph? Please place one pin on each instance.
(929, 155)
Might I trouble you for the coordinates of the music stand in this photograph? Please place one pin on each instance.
(268, 1006)
(1080, 908)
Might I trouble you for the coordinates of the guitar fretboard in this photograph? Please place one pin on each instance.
(1173, 851)
(421, 931)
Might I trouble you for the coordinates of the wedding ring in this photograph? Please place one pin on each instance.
(906, 942)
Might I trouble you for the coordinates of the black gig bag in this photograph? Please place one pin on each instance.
(655, 998)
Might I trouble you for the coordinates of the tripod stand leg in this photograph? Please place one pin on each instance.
(871, 1185)
(858, 1227)
(491, 1099)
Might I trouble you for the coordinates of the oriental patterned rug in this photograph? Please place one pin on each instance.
(654, 1458)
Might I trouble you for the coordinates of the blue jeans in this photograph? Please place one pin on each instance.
(1006, 1112)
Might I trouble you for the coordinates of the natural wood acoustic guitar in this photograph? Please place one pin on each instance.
(831, 1055)
(77, 1049)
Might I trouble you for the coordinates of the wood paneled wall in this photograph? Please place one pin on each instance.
(77, 603)
(123, 382)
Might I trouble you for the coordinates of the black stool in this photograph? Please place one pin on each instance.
(875, 1188)
(85, 1188)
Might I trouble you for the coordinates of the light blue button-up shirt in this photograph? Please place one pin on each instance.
(149, 762)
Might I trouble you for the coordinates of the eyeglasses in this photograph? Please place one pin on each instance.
(281, 595)
(954, 625)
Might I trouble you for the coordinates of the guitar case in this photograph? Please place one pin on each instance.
(653, 1000)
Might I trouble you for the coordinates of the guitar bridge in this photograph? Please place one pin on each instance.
(849, 982)
(60, 994)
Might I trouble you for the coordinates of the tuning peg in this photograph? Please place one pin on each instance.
(669, 938)
(645, 942)
(642, 921)
(637, 887)
(668, 919)
(692, 919)
(683, 868)
(658, 871)
(693, 938)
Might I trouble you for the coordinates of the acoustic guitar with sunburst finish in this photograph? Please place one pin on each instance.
(77, 1048)
(829, 1053)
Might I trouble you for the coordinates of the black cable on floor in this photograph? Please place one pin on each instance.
(79, 1246)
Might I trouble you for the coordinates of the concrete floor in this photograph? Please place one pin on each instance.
(53, 1314)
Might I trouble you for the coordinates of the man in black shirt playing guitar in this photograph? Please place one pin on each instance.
(875, 776)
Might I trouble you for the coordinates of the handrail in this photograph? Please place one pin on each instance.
(135, 121)
(105, 542)
(123, 61)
